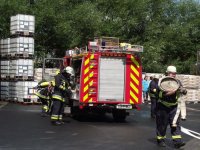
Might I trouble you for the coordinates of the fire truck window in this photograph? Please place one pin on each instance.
(76, 64)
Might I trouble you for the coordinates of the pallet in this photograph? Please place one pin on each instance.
(3, 56)
(4, 78)
(37, 103)
(21, 78)
(12, 100)
(4, 100)
(24, 102)
(192, 102)
(22, 34)
(20, 55)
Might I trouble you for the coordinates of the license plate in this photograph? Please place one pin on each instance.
(124, 106)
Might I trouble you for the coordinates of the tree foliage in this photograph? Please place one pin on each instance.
(169, 30)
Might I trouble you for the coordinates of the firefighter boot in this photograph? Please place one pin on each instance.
(179, 144)
(161, 143)
(44, 114)
(62, 122)
(56, 123)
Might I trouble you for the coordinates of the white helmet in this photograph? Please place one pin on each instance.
(69, 70)
(171, 69)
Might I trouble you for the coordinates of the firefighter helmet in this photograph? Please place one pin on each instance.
(171, 69)
(69, 70)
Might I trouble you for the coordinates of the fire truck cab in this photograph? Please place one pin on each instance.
(108, 77)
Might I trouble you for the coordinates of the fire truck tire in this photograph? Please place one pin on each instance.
(78, 114)
(119, 115)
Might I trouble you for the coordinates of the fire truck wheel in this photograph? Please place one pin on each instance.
(119, 115)
(78, 114)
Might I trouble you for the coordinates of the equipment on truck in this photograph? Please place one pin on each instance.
(107, 76)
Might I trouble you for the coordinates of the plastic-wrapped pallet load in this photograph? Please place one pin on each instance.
(4, 68)
(22, 24)
(22, 45)
(21, 67)
(198, 95)
(189, 81)
(4, 90)
(4, 46)
(38, 74)
(49, 73)
(22, 91)
(192, 95)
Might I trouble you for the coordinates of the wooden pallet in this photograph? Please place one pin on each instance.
(4, 100)
(21, 78)
(3, 56)
(192, 102)
(4, 78)
(12, 100)
(37, 103)
(20, 55)
(22, 34)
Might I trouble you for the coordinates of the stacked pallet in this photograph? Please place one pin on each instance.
(22, 91)
(192, 84)
(17, 66)
(190, 81)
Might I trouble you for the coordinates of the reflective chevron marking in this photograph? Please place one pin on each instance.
(85, 88)
(86, 79)
(135, 61)
(134, 96)
(86, 70)
(87, 61)
(134, 88)
(134, 79)
(134, 70)
(85, 97)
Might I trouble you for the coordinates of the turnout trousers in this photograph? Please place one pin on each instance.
(164, 117)
(57, 110)
(45, 107)
(153, 106)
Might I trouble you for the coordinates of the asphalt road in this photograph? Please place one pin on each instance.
(22, 128)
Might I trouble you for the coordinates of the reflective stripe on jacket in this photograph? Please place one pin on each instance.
(58, 97)
(60, 89)
(168, 101)
(43, 93)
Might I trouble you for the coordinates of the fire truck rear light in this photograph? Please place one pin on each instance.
(81, 107)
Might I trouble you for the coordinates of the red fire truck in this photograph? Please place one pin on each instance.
(108, 77)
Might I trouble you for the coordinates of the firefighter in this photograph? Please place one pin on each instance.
(43, 94)
(153, 93)
(165, 113)
(61, 91)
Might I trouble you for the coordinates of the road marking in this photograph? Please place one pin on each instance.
(192, 109)
(191, 133)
